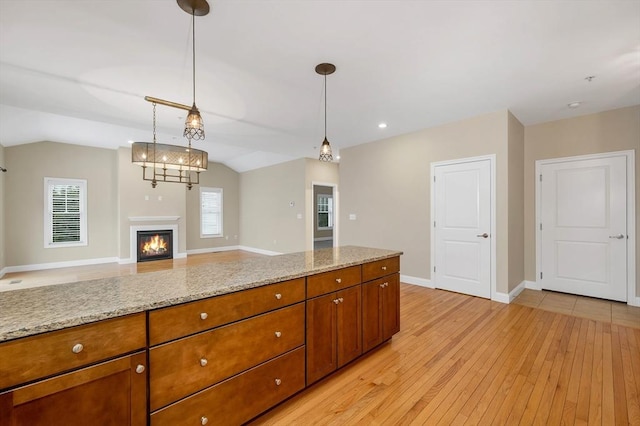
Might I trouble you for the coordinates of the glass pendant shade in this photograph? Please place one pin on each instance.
(325, 151)
(193, 125)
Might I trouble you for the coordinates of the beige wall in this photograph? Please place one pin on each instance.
(267, 219)
(386, 184)
(608, 131)
(167, 199)
(516, 201)
(2, 214)
(217, 176)
(24, 200)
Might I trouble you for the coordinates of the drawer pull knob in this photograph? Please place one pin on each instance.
(381, 285)
(340, 299)
(385, 285)
(278, 382)
(77, 348)
(203, 362)
(204, 420)
(278, 333)
(203, 315)
(336, 301)
(140, 369)
(338, 280)
(384, 268)
(278, 296)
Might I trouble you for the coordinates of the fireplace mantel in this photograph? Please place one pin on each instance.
(153, 218)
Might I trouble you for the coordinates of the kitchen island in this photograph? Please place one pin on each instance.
(193, 338)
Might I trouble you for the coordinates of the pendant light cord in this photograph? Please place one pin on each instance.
(325, 106)
(193, 34)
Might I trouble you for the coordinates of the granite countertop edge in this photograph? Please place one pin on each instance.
(17, 323)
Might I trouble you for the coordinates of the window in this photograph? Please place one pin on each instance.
(210, 212)
(65, 218)
(325, 212)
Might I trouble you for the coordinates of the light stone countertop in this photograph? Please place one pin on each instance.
(37, 310)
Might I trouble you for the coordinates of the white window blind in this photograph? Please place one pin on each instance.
(66, 212)
(210, 212)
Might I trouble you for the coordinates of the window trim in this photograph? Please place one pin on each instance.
(329, 212)
(47, 213)
(221, 192)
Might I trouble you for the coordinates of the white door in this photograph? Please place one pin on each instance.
(462, 197)
(583, 228)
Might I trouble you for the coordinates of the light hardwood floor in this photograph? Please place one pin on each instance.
(463, 360)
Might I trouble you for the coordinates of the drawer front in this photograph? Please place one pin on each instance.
(331, 281)
(178, 321)
(31, 358)
(180, 368)
(380, 268)
(239, 398)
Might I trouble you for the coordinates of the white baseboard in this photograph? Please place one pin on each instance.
(508, 298)
(2, 272)
(634, 302)
(56, 265)
(259, 251)
(213, 249)
(532, 285)
(422, 282)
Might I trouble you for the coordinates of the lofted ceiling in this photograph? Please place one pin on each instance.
(77, 71)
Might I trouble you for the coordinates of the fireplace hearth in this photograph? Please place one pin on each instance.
(154, 245)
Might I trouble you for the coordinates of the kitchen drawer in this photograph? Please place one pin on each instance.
(380, 268)
(185, 366)
(182, 320)
(239, 398)
(34, 357)
(331, 281)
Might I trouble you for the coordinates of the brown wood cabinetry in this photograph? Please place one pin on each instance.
(108, 393)
(380, 310)
(334, 331)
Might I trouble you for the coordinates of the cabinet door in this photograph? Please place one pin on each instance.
(321, 337)
(372, 314)
(349, 324)
(391, 307)
(111, 393)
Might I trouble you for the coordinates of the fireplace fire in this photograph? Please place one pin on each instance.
(155, 245)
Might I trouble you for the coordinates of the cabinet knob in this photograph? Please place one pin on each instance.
(338, 280)
(278, 382)
(77, 348)
(386, 284)
(340, 299)
(140, 369)
(203, 315)
(203, 362)
(384, 268)
(278, 333)
(204, 420)
(381, 285)
(336, 301)
(278, 296)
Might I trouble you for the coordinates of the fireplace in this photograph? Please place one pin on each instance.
(154, 245)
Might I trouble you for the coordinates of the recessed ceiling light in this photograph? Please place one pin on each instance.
(574, 105)
(382, 125)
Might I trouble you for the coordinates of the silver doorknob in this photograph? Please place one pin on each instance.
(485, 235)
(618, 237)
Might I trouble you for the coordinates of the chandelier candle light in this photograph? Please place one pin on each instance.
(325, 150)
(173, 163)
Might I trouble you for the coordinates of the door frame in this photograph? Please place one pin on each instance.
(492, 201)
(632, 298)
(312, 212)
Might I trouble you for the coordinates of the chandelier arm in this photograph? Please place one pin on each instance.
(166, 103)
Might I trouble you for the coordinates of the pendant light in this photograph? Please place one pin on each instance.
(193, 125)
(325, 150)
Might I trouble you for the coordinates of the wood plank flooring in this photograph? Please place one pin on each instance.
(465, 360)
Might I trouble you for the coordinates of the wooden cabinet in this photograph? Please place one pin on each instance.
(334, 331)
(380, 310)
(106, 393)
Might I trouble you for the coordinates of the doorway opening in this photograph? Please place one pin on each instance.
(324, 216)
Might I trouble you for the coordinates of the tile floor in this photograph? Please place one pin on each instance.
(584, 307)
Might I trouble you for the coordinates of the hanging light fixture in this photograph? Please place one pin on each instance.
(325, 150)
(173, 163)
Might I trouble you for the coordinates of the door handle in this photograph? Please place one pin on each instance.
(618, 237)
(485, 235)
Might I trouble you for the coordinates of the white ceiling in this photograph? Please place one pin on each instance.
(77, 71)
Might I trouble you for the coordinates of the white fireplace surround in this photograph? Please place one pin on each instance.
(133, 234)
